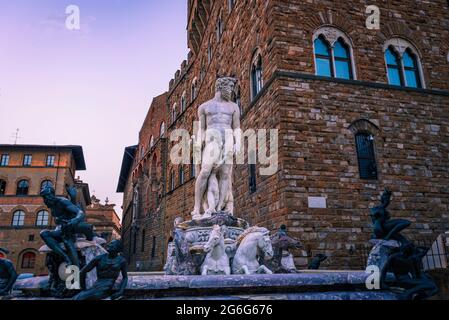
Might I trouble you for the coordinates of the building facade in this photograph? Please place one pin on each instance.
(104, 219)
(357, 109)
(24, 170)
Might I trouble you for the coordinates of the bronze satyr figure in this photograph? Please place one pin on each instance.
(108, 267)
(70, 221)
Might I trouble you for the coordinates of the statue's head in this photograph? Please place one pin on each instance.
(226, 86)
(48, 193)
(115, 246)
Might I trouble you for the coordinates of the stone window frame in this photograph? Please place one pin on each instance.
(151, 141)
(256, 59)
(401, 45)
(332, 34)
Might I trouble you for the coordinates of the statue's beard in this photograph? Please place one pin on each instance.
(226, 95)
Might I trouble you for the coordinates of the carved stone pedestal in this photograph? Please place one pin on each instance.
(381, 251)
(195, 234)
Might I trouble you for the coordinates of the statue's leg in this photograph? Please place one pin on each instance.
(72, 252)
(224, 185)
(266, 270)
(245, 269)
(53, 239)
(396, 227)
(200, 187)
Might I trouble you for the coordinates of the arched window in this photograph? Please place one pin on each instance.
(410, 62)
(194, 89)
(28, 260)
(2, 187)
(46, 184)
(365, 155)
(342, 58)
(151, 142)
(323, 57)
(403, 64)
(183, 102)
(162, 130)
(181, 175)
(256, 75)
(393, 67)
(42, 218)
(173, 113)
(18, 218)
(333, 54)
(22, 188)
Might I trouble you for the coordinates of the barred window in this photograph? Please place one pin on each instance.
(366, 156)
(256, 76)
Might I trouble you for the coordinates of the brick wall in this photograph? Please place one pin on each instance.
(317, 118)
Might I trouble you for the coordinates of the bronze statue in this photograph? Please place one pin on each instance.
(383, 226)
(108, 267)
(282, 242)
(8, 274)
(315, 264)
(70, 221)
(406, 265)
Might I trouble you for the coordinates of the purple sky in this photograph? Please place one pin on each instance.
(90, 87)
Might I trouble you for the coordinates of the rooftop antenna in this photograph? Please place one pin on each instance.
(16, 136)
